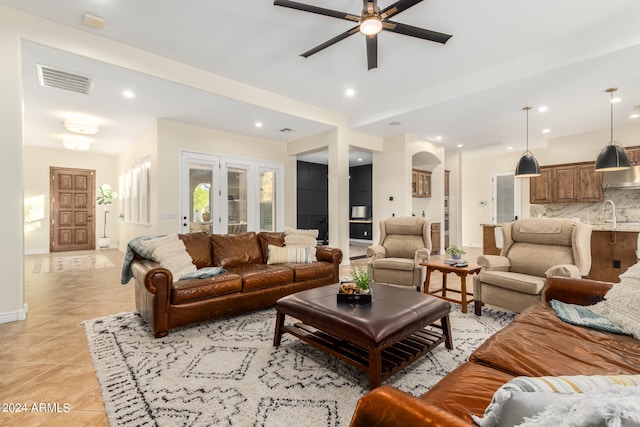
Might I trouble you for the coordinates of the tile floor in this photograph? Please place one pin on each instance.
(47, 374)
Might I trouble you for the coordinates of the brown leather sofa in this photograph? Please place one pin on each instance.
(536, 344)
(248, 283)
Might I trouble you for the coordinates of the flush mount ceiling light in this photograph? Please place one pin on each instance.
(78, 143)
(527, 165)
(81, 124)
(612, 157)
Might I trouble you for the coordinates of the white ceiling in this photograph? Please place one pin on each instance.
(503, 55)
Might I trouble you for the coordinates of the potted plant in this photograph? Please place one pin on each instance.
(362, 278)
(455, 252)
(105, 198)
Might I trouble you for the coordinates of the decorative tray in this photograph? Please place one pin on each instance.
(352, 296)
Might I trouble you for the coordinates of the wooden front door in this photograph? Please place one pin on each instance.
(72, 209)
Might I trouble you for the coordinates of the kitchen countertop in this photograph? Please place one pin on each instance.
(631, 227)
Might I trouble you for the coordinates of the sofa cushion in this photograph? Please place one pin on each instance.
(232, 250)
(518, 282)
(394, 264)
(538, 344)
(266, 238)
(315, 270)
(259, 276)
(402, 246)
(535, 259)
(279, 255)
(197, 289)
(199, 248)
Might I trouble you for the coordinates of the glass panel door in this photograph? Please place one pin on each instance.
(236, 200)
(200, 190)
(267, 200)
(506, 198)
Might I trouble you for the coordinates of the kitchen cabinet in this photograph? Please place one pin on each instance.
(612, 253)
(489, 245)
(435, 238)
(541, 187)
(634, 155)
(420, 183)
(567, 183)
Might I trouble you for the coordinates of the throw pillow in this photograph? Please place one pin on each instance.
(300, 238)
(503, 406)
(620, 305)
(581, 316)
(280, 255)
(170, 252)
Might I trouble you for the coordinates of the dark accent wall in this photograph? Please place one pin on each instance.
(360, 194)
(313, 197)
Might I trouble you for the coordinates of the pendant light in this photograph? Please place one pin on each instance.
(527, 165)
(612, 157)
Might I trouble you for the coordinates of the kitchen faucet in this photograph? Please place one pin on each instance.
(613, 211)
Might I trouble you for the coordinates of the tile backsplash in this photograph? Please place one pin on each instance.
(627, 208)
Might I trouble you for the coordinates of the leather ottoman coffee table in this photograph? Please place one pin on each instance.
(380, 338)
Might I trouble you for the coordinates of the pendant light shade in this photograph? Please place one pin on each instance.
(527, 165)
(612, 157)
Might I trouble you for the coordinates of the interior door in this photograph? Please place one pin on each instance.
(506, 197)
(72, 209)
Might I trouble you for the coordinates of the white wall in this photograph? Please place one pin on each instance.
(12, 303)
(37, 196)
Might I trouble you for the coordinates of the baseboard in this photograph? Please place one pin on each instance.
(14, 316)
(36, 251)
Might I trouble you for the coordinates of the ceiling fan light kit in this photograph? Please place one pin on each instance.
(371, 21)
(613, 157)
(528, 165)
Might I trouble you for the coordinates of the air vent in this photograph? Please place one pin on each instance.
(51, 77)
(287, 130)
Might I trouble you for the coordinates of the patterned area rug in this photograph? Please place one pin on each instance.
(227, 372)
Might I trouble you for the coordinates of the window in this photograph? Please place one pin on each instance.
(134, 193)
(267, 200)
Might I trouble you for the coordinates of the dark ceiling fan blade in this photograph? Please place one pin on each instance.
(330, 42)
(397, 7)
(316, 9)
(372, 51)
(421, 33)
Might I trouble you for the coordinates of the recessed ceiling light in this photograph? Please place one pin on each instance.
(615, 100)
(350, 92)
(395, 123)
(546, 130)
(360, 159)
(460, 145)
(509, 148)
(438, 138)
(128, 94)
(634, 116)
(542, 109)
(258, 124)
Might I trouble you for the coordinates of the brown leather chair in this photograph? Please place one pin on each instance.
(404, 243)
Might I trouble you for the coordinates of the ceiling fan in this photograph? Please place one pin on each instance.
(370, 23)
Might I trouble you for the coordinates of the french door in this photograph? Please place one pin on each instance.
(229, 195)
(505, 197)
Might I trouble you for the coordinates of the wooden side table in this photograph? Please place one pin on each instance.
(461, 272)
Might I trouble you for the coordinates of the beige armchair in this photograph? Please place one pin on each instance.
(533, 249)
(404, 243)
